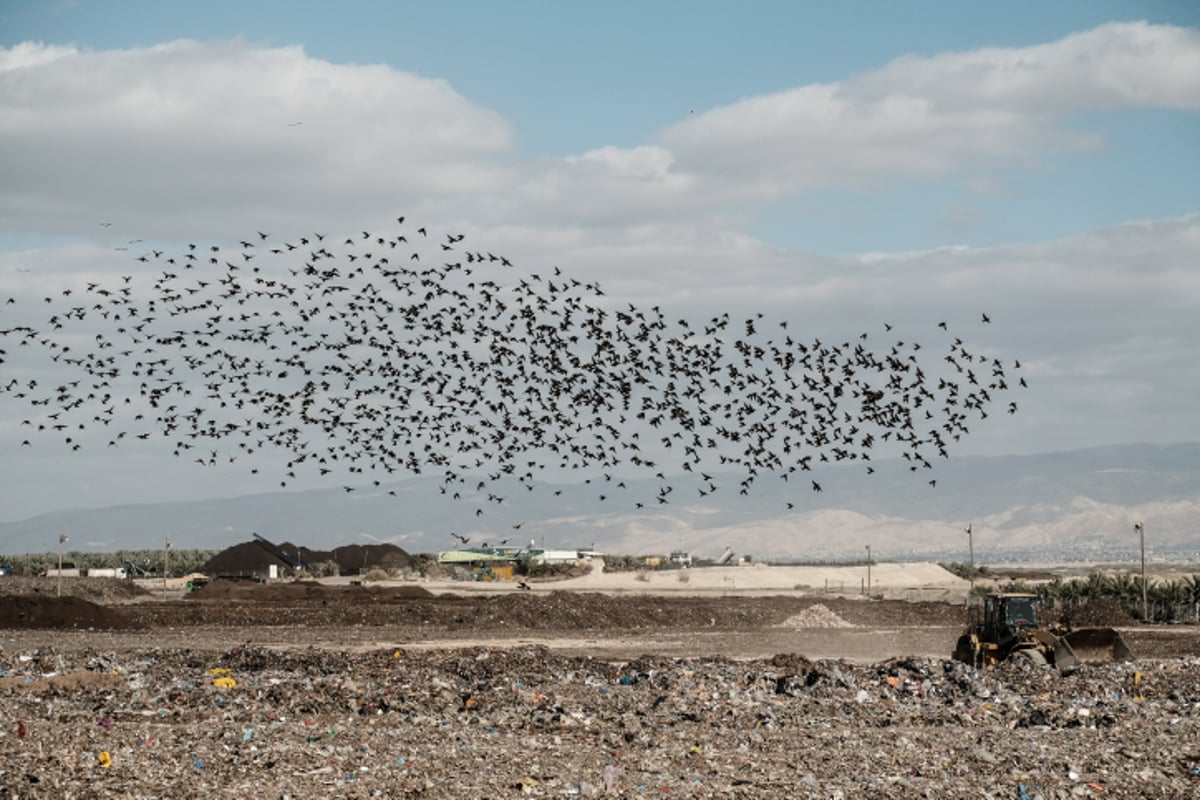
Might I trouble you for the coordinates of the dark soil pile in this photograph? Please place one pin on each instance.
(358, 559)
(315, 605)
(249, 590)
(247, 558)
(1098, 613)
(252, 558)
(303, 591)
(36, 611)
(102, 590)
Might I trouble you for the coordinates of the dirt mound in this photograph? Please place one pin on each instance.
(101, 590)
(305, 592)
(410, 593)
(816, 616)
(35, 611)
(1097, 613)
(252, 558)
(356, 559)
(318, 605)
(222, 589)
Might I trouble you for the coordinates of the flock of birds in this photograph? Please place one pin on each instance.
(395, 352)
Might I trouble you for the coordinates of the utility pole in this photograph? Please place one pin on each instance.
(868, 570)
(166, 561)
(62, 539)
(971, 550)
(1141, 531)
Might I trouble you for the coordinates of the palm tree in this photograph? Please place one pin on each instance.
(1096, 585)
(1173, 597)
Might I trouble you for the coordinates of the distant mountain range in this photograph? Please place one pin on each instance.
(1076, 505)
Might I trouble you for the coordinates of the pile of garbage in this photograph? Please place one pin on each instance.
(529, 722)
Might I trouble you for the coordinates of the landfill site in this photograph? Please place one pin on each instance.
(723, 682)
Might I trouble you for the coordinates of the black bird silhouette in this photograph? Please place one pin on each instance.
(358, 360)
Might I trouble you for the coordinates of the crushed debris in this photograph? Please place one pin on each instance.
(528, 722)
(191, 704)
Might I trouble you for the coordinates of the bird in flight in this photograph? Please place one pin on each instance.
(364, 360)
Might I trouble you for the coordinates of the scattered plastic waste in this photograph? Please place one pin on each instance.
(526, 720)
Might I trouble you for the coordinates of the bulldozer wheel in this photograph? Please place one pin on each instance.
(964, 651)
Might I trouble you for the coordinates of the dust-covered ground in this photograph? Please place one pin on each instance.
(310, 690)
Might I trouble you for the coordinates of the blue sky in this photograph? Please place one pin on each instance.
(832, 164)
(576, 76)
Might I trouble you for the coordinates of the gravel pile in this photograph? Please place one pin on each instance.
(816, 616)
(247, 721)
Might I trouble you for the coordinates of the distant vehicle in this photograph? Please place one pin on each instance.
(5, 570)
(138, 569)
(106, 572)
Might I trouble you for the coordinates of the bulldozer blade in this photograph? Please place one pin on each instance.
(1097, 645)
(1065, 659)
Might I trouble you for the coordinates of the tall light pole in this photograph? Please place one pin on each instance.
(62, 539)
(971, 550)
(166, 561)
(868, 570)
(1141, 531)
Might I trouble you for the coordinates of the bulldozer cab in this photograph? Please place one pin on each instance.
(1011, 610)
(1009, 620)
(1006, 617)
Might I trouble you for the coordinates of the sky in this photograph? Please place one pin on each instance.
(833, 165)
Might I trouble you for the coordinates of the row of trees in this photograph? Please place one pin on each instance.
(180, 562)
(1176, 600)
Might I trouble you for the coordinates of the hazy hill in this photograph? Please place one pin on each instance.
(1078, 504)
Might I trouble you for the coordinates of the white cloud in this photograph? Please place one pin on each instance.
(188, 139)
(1117, 65)
(185, 136)
(191, 135)
(932, 116)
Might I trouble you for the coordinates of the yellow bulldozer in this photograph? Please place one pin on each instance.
(1006, 626)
